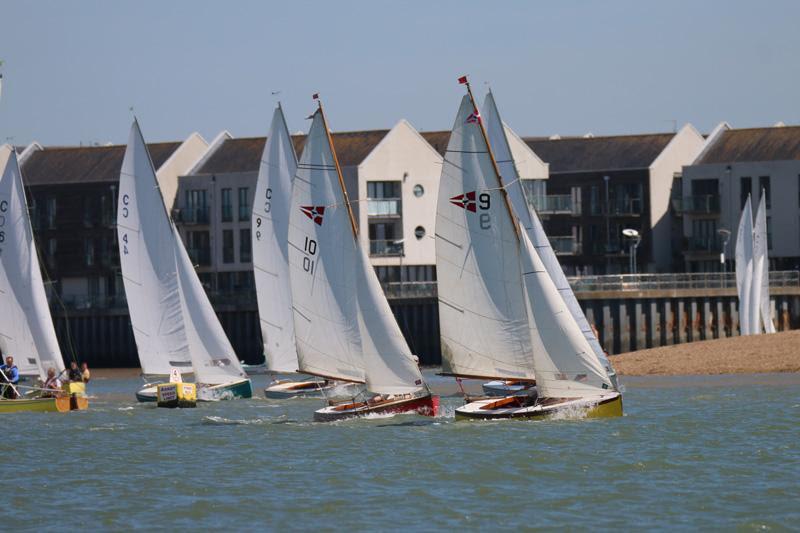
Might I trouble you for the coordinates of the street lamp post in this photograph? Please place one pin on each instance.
(726, 235)
(635, 239)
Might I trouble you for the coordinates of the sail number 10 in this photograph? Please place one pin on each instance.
(310, 249)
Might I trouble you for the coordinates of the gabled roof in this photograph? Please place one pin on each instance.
(244, 154)
(437, 139)
(754, 144)
(85, 164)
(583, 154)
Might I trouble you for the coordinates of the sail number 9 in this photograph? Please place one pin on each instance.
(258, 231)
(267, 209)
(484, 203)
(310, 249)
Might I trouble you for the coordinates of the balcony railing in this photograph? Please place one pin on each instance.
(410, 289)
(227, 213)
(191, 215)
(707, 243)
(555, 204)
(384, 207)
(626, 207)
(700, 204)
(380, 248)
(696, 280)
(567, 245)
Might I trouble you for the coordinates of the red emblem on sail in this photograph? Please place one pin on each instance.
(474, 117)
(465, 201)
(313, 212)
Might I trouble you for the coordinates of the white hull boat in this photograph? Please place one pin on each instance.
(283, 388)
(531, 407)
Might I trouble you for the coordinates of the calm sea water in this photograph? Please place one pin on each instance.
(701, 452)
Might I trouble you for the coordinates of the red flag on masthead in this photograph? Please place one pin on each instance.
(462, 80)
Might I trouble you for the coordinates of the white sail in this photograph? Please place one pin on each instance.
(744, 268)
(389, 367)
(323, 266)
(270, 233)
(482, 316)
(509, 176)
(147, 262)
(213, 358)
(566, 366)
(26, 326)
(760, 283)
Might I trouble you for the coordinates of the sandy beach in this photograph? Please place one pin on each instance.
(779, 352)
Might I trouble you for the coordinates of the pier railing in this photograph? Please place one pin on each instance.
(678, 281)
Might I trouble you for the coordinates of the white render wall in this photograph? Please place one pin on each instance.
(404, 156)
(178, 164)
(681, 150)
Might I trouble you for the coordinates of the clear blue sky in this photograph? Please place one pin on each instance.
(73, 68)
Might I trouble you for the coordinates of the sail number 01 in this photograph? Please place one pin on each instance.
(310, 249)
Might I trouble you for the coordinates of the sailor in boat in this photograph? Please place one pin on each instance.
(85, 374)
(74, 373)
(10, 376)
(52, 385)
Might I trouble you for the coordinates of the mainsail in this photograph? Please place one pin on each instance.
(323, 266)
(744, 269)
(147, 262)
(760, 284)
(26, 326)
(482, 315)
(532, 225)
(270, 231)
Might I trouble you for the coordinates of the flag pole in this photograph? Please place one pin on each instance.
(338, 168)
(463, 80)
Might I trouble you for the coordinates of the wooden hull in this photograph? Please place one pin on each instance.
(44, 405)
(424, 405)
(609, 405)
(225, 391)
(297, 389)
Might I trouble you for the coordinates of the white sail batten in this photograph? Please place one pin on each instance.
(566, 366)
(482, 315)
(26, 326)
(270, 231)
(389, 366)
(147, 262)
(213, 358)
(760, 283)
(509, 175)
(323, 266)
(744, 269)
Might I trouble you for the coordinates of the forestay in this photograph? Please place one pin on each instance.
(147, 262)
(323, 266)
(213, 358)
(270, 232)
(482, 316)
(509, 177)
(566, 366)
(744, 269)
(26, 326)
(760, 285)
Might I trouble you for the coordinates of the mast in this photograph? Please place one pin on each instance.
(485, 136)
(338, 168)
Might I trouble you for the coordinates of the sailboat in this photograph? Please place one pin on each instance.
(270, 237)
(173, 322)
(501, 315)
(498, 134)
(760, 284)
(344, 328)
(748, 315)
(26, 326)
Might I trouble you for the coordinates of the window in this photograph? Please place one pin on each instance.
(419, 190)
(769, 234)
(245, 246)
(227, 205)
(227, 246)
(196, 207)
(199, 247)
(763, 185)
(383, 189)
(88, 246)
(50, 212)
(244, 204)
(419, 232)
(594, 200)
(745, 185)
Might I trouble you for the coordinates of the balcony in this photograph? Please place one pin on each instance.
(606, 248)
(384, 207)
(385, 248)
(409, 289)
(555, 204)
(567, 245)
(626, 207)
(706, 204)
(200, 256)
(191, 215)
(705, 243)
